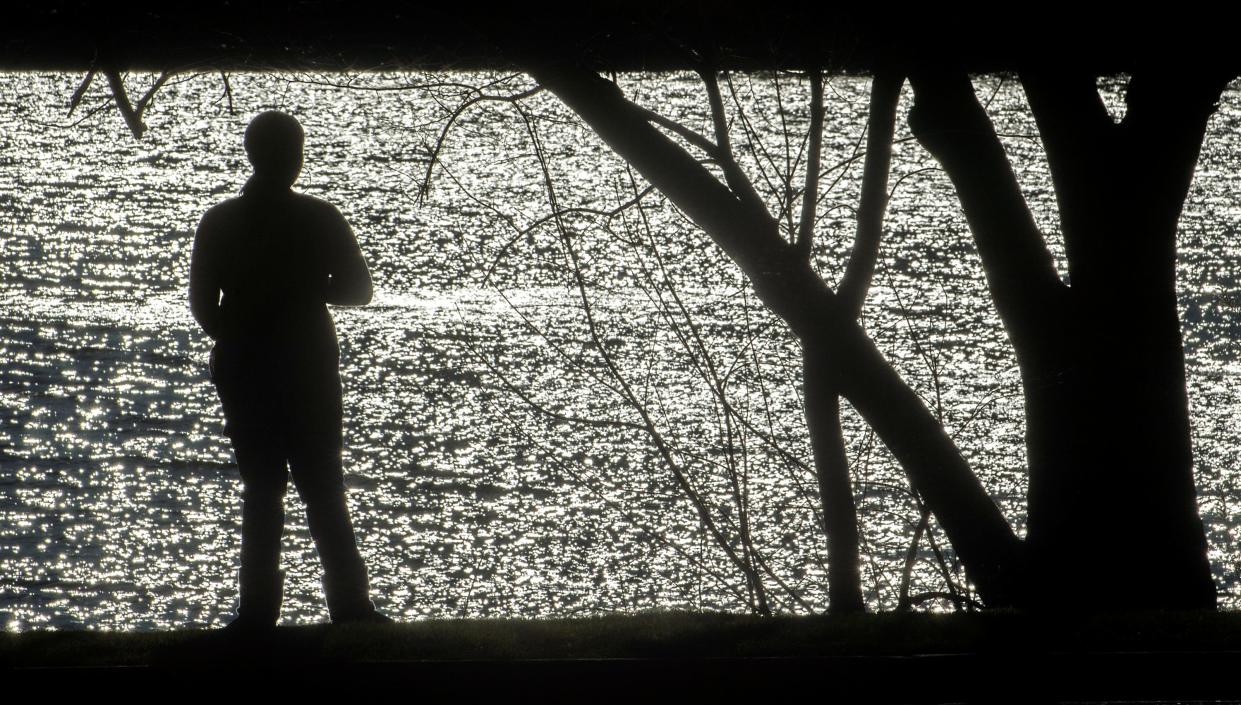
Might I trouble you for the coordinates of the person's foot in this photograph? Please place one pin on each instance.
(372, 616)
(249, 626)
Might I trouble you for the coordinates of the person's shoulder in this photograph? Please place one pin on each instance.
(224, 209)
(220, 213)
(314, 204)
(318, 208)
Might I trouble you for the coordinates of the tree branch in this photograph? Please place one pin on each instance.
(885, 93)
(736, 178)
(706, 145)
(425, 188)
(745, 561)
(949, 122)
(80, 92)
(810, 194)
(228, 92)
(132, 119)
(130, 112)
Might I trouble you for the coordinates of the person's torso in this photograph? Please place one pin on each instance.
(274, 268)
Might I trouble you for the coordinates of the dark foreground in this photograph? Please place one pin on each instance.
(994, 658)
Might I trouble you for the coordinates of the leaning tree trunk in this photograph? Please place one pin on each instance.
(992, 556)
(1113, 520)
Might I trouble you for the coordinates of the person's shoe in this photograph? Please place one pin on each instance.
(258, 605)
(246, 626)
(373, 616)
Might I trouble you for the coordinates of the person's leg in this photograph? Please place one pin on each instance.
(264, 478)
(315, 463)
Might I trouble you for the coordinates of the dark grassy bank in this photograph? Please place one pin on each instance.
(652, 636)
(994, 657)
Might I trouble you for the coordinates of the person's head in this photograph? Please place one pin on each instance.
(274, 146)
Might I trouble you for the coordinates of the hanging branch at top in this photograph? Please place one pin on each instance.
(130, 111)
(80, 93)
(228, 92)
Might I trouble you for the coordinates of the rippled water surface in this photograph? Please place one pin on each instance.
(476, 487)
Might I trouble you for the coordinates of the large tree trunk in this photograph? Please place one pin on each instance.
(1119, 507)
(1113, 521)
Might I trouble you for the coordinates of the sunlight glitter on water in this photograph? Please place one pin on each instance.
(118, 498)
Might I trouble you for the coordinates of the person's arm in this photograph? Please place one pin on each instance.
(205, 281)
(349, 281)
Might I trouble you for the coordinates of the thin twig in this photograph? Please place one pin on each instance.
(425, 188)
(911, 556)
(228, 91)
(661, 445)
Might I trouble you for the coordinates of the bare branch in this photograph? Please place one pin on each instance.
(130, 112)
(228, 92)
(67, 125)
(702, 360)
(697, 344)
(950, 123)
(551, 217)
(592, 487)
(742, 562)
(425, 188)
(758, 150)
(885, 92)
(790, 166)
(145, 101)
(684, 132)
(80, 92)
(903, 603)
(555, 415)
(132, 119)
(942, 563)
(736, 178)
(810, 194)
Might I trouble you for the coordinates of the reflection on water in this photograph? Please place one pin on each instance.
(118, 500)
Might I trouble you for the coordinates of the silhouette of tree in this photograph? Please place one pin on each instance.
(1112, 499)
(837, 514)
(1113, 520)
(714, 474)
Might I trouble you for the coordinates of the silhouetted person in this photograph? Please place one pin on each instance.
(264, 267)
